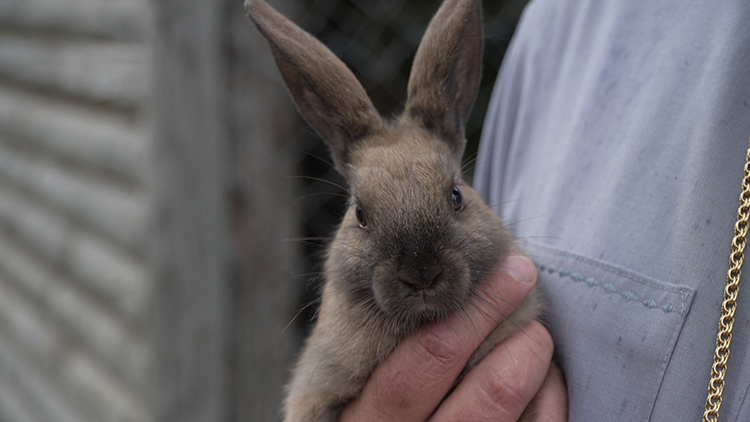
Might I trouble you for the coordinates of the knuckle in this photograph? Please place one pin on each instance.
(507, 389)
(439, 354)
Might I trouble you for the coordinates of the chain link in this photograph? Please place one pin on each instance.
(728, 307)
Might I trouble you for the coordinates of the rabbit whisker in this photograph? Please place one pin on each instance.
(341, 195)
(319, 158)
(469, 161)
(299, 312)
(541, 237)
(525, 220)
(318, 179)
(312, 273)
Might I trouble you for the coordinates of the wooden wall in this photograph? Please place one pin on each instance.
(75, 289)
(144, 207)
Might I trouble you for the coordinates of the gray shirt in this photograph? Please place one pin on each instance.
(614, 148)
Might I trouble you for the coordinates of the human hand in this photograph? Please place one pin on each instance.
(411, 383)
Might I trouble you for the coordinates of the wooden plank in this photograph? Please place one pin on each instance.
(35, 224)
(27, 326)
(73, 371)
(189, 237)
(92, 137)
(14, 406)
(100, 392)
(100, 71)
(81, 318)
(110, 272)
(119, 19)
(112, 209)
(30, 381)
(122, 280)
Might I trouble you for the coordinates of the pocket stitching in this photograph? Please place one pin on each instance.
(610, 289)
(685, 292)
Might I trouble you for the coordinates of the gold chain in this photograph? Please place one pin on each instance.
(726, 322)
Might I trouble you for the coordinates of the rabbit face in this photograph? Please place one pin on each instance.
(416, 239)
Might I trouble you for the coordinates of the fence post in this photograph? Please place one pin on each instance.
(263, 126)
(189, 245)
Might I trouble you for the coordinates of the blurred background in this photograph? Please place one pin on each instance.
(162, 205)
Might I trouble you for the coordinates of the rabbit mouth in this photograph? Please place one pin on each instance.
(421, 295)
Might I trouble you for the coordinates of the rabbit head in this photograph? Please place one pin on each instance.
(415, 240)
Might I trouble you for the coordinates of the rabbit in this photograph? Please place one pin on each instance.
(415, 241)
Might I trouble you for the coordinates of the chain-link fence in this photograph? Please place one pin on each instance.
(377, 40)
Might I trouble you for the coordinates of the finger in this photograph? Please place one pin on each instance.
(412, 381)
(504, 382)
(551, 402)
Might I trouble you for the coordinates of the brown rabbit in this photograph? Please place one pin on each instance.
(416, 240)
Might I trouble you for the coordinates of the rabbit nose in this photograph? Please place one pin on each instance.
(419, 270)
(421, 280)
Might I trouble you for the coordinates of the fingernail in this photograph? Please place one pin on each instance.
(521, 269)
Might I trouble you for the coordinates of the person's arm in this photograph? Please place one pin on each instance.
(411, 384)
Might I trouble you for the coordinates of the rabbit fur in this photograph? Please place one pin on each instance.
(416, 241)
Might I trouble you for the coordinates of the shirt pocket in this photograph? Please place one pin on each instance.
(614, 332)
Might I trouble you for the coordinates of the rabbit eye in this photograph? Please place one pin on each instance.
(361, 219)
(458, 199)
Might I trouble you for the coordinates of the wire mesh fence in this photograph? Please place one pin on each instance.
(377, 40)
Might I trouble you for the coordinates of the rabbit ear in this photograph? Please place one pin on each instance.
(446, 72)
(325, 91)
